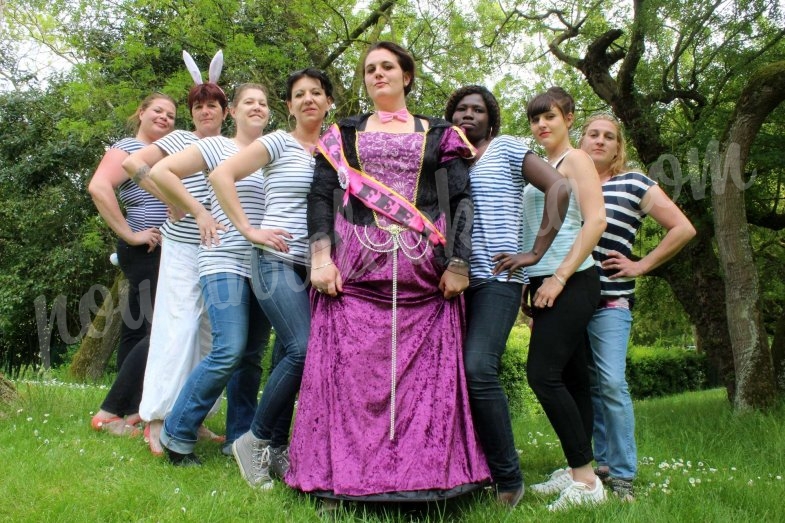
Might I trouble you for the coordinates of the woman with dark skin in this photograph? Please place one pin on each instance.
(500, 170)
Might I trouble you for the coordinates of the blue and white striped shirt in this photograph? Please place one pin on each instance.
(142, 209)
(287, 182)
(623, 194)
(497, 186)
(233, 254)
(184, 230)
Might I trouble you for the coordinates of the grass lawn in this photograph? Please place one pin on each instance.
(698, 463)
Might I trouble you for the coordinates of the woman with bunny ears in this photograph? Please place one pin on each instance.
(180, 335)
(240, 328)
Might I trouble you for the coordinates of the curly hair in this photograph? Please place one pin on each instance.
(494, 113)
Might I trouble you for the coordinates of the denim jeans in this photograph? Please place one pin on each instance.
(240, 332)
(614, 421)
(492, 309)
(282, 291)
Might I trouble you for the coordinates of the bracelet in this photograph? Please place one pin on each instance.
(457, 262)
(322, 266)
(559, 279)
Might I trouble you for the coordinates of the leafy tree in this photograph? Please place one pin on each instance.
(671, 71)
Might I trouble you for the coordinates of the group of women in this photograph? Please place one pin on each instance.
(390, 255)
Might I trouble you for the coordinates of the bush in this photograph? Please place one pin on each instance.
(513, 373)
(651, 371)
(660, 372)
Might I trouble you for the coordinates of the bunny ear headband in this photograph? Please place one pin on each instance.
(216, 65)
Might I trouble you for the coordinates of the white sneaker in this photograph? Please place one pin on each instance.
(579, 494)
(559, 480)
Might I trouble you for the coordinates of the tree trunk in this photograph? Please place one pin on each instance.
(7, 391)
(694, 273)
(90, 361)
(778, 354)
(755, 386)
(696, 282)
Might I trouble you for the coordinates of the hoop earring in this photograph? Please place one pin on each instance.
(289, 122)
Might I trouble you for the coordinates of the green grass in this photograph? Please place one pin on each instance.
(699, 463)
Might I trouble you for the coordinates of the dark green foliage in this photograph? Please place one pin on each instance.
(51, 244)
(513, 377)
(661, 372)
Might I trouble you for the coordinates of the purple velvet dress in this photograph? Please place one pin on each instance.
(378, 341)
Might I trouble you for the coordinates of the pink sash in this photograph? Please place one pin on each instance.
(373, 193)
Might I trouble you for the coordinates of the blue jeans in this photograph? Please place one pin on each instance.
(240, 333)
(492, 309)
(614, 421)
(282, 291)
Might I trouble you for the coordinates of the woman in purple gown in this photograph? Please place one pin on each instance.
(383, 412)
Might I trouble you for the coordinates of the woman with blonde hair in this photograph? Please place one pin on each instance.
(630, 196)
(240, 330)
(138, 253)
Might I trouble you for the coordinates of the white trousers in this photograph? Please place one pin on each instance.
(180, 335)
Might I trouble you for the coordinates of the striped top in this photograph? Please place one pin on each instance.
(287, 182)
(533, 205)
(142, 209)
(233, 254)
(184, 230)
(623, 194)
(497, 183)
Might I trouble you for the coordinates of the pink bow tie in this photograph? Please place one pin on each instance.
(401, 115)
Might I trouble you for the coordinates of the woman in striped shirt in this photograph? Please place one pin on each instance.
(240, 328)
(180, 335)
(279, 261)
(497, 176)
(138, 253)
(629, 197)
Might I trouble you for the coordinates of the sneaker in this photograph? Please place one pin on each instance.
(182, 460)
(623, 489)
(579, 494)
(603, 474)
(253, 457)
(279, 461)
(558, 481)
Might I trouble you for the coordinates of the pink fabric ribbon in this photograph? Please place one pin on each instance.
(401, 115)
(373, 193)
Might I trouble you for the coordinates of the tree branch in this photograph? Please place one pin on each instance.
(383, 10)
